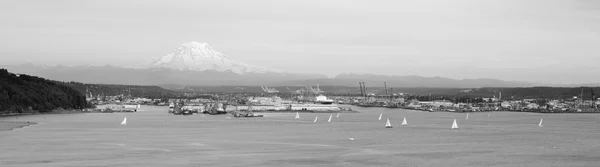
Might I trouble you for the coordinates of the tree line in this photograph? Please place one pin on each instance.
(24, 93)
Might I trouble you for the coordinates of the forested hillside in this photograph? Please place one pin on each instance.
(24, 93)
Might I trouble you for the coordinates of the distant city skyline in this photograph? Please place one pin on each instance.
(541, 41)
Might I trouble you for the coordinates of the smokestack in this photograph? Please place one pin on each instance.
(499, 96)
(361, 89)
(365, 87)
(386, 90)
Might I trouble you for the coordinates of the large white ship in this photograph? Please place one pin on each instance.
(323, 100)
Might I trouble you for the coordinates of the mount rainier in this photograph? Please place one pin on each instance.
(198, 56)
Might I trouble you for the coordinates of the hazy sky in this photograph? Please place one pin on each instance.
(551, 41)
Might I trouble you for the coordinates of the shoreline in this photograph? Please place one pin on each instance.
(594, 111)
(75, 111)
(306, 111)
(11, 125)
(505, 111)
(16, 114)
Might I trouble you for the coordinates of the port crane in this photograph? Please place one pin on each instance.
(299, 91)
(318, 90)
(269, 90)
(313, 90)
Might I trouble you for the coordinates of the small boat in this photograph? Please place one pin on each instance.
(316, 119)
(124, 121)
(404, 122)
(541, 120)
(380, 115)
(297, 116)
(387, 124)
(338, 115)
(467, 116)
(330, 118)
(454, 125)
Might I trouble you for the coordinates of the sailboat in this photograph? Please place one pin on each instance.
(467, 116)
(489, 114)
(330, 118)
(404, 122)
(338, 115)
(316, 119)
(540, 125)
(297, 116)
(454, 125)
(124, 121)
(380, 116)
(387, 124)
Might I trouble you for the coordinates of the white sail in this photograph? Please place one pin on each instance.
(316, 119)
(338, 115)
(454, 125)
(380, 116)
(330, 118)
(541, 120)
(297, 116)
(124, 121)
(467, 116)
(388, 124)
(404, 122)
(489, 114)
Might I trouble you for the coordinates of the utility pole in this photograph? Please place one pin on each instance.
(500, 96)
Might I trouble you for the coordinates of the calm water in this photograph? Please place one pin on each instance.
(153, 137)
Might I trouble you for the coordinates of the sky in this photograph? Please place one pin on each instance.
(543, 41)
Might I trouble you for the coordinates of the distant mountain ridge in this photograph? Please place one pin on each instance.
(129, 76)
(419, 81)
(575, 85)
(405, 81)
(162, 76)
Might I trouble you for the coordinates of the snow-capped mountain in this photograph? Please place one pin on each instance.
(196, 56)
